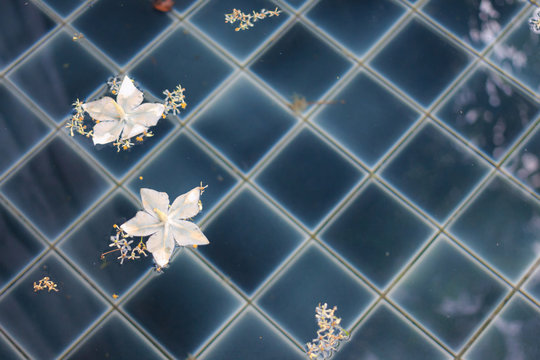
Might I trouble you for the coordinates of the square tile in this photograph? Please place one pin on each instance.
(182, 58)
(124, 36)
(300, 63)
(59, 73)
(21, 24)
(296, 3)
(180, 167)
(309, 178)
(366, 118)
(512, 335)
(427, 62)
(312, 278)
(525, 163)
(64, 7)
(183, 5)
(435, 172)
(448, 293)
(8, 351)
(532, 286)
(376, 234)
(249, 240)
(489, 112)
(45, 323)
(115, 339)
(87, 242)
(21, 128)
(254, 123)
(502, 226)
(355, 24)
(186, 296)
(251, 337)
(387, 335)
(478, 23)
(54, 187)
(210, 17)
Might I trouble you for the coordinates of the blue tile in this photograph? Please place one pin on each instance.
(296, 3)
(182, 58)
(300, 63)
(123, 37)
(249, 240)
(525, 163)
(114, 339)
(513, 334)
(243, 123)
(489, 111)
(309, 178)
(427, 62)
(366, 118)
(21, 25)
(435, 172)
(64, 7)
(376, 234)
(252, 337)
(211, 16)
(180, 167)
(532, 286)
(355, 24)
(448, 293)
(8, 351)
(501, 225)
(44, 323)
(59, 73)
(311, 279)
(183, 5)
(186, 296)
(476, 22)
(20, 128)
(86, 244)
(54, 187)
(386, 335)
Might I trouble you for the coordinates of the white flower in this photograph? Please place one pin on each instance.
(166, 224)
(124, 118)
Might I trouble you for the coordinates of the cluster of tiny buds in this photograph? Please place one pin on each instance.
(247, 20)
(329, 335)
(45, 283)
(174, 100)
(76, 123)
(534, 22)
(121, 243)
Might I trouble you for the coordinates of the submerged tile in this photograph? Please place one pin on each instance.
(64, 7)
(532, 286)
(448, 293)
(8, 351)
(525, 163)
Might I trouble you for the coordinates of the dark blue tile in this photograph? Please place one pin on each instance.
(448, 293)
(355, 24)
(476, 22)
(59, 73)
(183, 5)
(54, 187)
(64, 7)
(254, 123)
(21, 25)
(386, 335)
(185, 297)
(114, 339)
(182, 58)
(252, 337)
(300, 63)
(489, 112)
(426, 64)
(249, 240)
(513, 334)
(210, 17)
(180, 167)
(86, 244)
(376, 234)
(123, 37)
(525, 163)
(313, 278)
(296, 3)
(309, 178)
(532, 286)
(44, 323)
(501, 226)
(435, 172)
(366, 118)
(8, 351)
(20, 128)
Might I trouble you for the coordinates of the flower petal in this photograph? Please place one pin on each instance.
(186, 205)
(107, 131)
(161, 245)
(152, 199)
(131, 130)
(187, 233)
(129, 97)
(147, 114)
(143, 224)
(104, 109)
